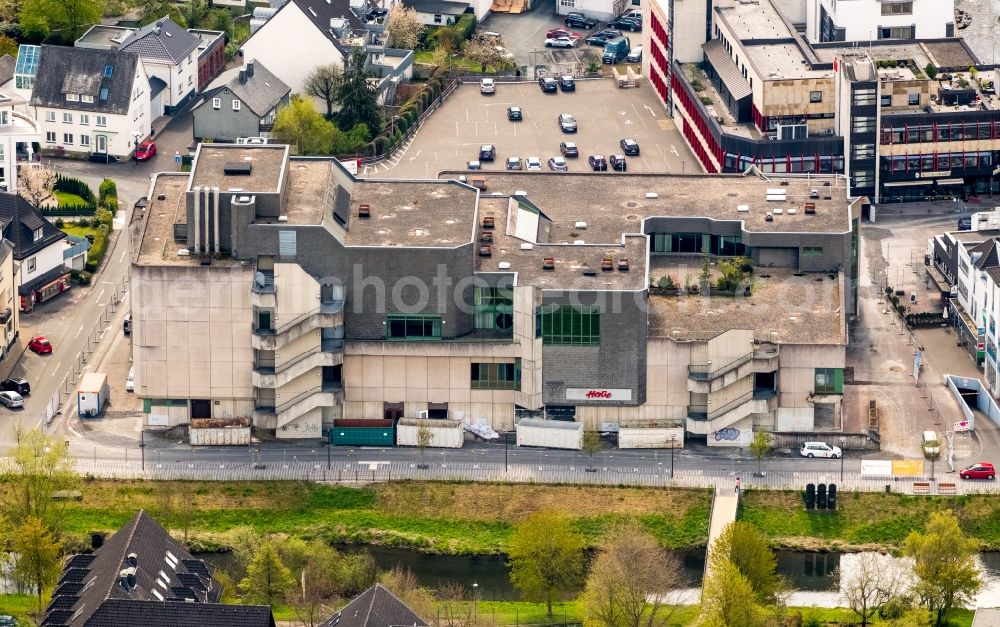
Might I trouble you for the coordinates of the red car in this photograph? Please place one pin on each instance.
(145, 151)
(556, 33)
(981, 470)
(40, 345)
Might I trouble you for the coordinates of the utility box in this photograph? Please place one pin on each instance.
(550, 433)
(92, 395)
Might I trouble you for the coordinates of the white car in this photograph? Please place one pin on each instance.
(130, 382)
(487, 86)
(820, 449)
(534, 164)
(11, 399)
(560, 42)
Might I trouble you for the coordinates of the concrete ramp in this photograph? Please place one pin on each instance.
(724, 506)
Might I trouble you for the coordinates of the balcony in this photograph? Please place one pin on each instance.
(263, 292)
(265, 377)
(5, 315)
(327, 315)
(765, 357)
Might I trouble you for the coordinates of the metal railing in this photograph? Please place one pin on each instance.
(712, 415)
(279, 368)
(705, 371)
(319, 389)
(325, 308)
(263, 283)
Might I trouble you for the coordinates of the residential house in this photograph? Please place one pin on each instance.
(142, 576)
(170, 54)
(91, 101)
(437, 12)
(7, 65)
(10, 316)
(325, 32)
(242, 103)
(38, 248)
(19, 133)
(375, 607)
(211, 55)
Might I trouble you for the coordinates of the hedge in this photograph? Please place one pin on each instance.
(70, 210)
(71, 185)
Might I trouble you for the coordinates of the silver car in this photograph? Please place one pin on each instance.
(558, 164)
(567, 122)
(11, 399)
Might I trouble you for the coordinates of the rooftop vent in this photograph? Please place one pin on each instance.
(578, 242)
(364, 211)
(479, 182)
(768, 217)
(526, 246)
(589, 272)
(651, 194)
(810, 208)
(792, 211)
(183, 252)
(161, 196)
(126, 579)
(580, 225)
(520, 192)
(742, 208)
(814, 193)
(778, 211)
(485, 250)
(607, 264)
(486, 238)
(237, 168)
(282, 219)
(504, 265)
(132, 559)
(623, 265)
(489, 223)
(549, 263)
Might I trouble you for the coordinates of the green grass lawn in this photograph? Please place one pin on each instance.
(18, 605)
(67, 199)
(427, 57)
(864, 520)
(453, 518)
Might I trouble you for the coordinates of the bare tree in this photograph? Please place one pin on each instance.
(322, 83)
(36, 184)
(424, 437)
(875, 580)
(592, 444)
(404, 28)
(404, 584)
(487, 50)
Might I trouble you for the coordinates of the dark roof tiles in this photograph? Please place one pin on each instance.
(85, 72)
(161, 40)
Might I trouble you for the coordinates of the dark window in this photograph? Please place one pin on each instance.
(109, 70)
(570, 326)
(885, 101)
(815, 96)
(829, 381)
(413, 327)
(497, 376)
(913, 99)
(104, 94)
(494, 308)
(201, 408)
(897, 8)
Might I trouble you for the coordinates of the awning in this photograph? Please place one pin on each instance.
(43, 281)
(726, 69)
(951, 182)
(907, 183)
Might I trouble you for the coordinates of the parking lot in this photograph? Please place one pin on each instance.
(451, 137)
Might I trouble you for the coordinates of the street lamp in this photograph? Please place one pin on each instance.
(673, 439)
(506, 467)
(475, 599)
(843, 443)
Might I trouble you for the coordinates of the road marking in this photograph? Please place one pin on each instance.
(78, 331)
(674, 150)
(57, 366)
(650, 109)
(122, 256)
(413, 157)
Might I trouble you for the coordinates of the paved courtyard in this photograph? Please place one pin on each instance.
(451, 137)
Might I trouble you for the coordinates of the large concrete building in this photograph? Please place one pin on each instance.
(287, 290)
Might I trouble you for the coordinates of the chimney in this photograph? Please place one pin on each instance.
(243, 77)
(250, 69)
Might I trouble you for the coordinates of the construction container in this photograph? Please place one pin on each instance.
(219, 432)
(443, 433)
(92, 395)
(550, 433)
(363, 432)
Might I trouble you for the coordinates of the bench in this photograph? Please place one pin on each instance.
(947, 488)
(921, 488)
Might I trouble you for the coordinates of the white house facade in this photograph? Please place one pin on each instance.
(864, 20)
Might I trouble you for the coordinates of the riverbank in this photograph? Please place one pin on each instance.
(864, 521)
(450, 518)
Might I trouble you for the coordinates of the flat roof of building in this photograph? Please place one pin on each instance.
(754, 20)
(105, 35)
(937, 53)
(308, 180)
(800, 308)
(265, 162)
(782, 61)
(616, 204)
(412, 213)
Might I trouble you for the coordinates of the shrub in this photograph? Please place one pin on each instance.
(59, 223)
(466, 25)
(84, 222)
(107, 189)
(71, 185)
(90, 267)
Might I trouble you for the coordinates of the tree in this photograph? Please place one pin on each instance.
(404, 29)
(36, 184)
(747, 549)
(592, 444)
(316, 569)
(629, 581)
(404, 584)
(931, 71)
(760, 447)
(546, 556)
(300, 124)
(41, 466)
(350, 142)
(423, 441)
(322, 83)
(357, 95)
(243, 541)
(268, 581)
(487, 50)
(8, 46)
(868, 588)
(944, 565)
(728, 599)
(38, 556)
(67, 18)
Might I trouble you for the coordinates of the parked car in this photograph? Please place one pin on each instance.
(487, 152)
(514, 114)
(11, 399)
(376, 13)
(560, 42)
(979, 470)
(145, 151)
(627, 23)
(487, 86)
(635, 55)
(533, 164)
(567, 123)
(597, 163)
(21, 386)
(127, 324)
(102, 157)
(558, 164)
(474, 165)
(40, 345)
(130, 382)
(820, 449)
(603, 37)
(580, 20)
(569, 149)
(615, 50)
(629, 146)
(618, 163)
(562, 32)
(7, 621)
(513, 163)
(548, 84)
(965, 224)
(567, 83)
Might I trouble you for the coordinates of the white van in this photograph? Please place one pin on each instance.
(932, 445)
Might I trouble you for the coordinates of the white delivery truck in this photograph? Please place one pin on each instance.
(92, 395)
